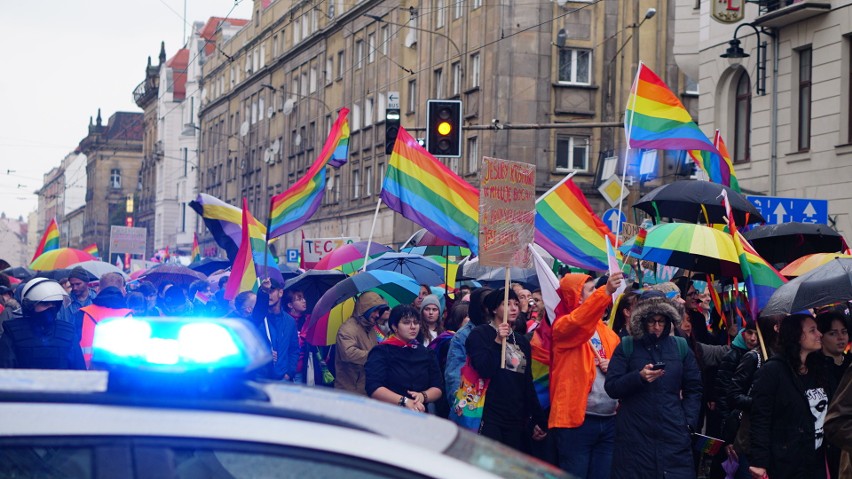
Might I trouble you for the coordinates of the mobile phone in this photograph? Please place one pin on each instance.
(658, 365)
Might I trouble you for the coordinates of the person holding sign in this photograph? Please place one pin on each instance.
(511, 403)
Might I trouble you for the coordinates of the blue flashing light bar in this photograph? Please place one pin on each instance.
(176, 345)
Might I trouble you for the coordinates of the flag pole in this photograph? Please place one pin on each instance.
(266, 243)
(629, 127)
(505, 319)
(370, 240)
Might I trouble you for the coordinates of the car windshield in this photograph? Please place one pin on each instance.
(499, 459)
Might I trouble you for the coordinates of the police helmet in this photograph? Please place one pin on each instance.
(39, 290)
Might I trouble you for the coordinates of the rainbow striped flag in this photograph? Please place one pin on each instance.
(49, 240)
(706, 444)
(760, 277)
(196, 251)
(656, 119)
(639, 243)
(292, 208)
(92, 249)
(719, 168)
(566, 227)
(422, 189)
(243, 275)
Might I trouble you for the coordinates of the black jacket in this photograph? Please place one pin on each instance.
(739, 393)
(782, 426)
(724, 378)
(402, 369)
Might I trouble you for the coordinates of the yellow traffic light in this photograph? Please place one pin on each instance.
(444, 128)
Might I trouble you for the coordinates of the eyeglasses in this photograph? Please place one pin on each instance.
(656, 321)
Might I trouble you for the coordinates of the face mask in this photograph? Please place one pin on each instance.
(45, 317)
(384, 328)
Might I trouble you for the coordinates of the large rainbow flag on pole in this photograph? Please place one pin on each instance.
(292, 208)
(49, 240)
(422, 189)
(566, 227)
(243, 276)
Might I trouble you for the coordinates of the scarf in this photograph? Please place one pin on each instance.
(392, 340)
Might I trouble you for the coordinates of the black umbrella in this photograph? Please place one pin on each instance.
(288, 272)
(789, 241)
(208, 266)
(19, 272)
(683, 200)
(56, 274)
(828, 284)
(314, 283)
(496, 277)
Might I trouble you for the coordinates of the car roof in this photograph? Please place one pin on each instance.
(314, 404)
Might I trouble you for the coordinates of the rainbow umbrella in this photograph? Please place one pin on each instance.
(693, 247)
(809, 262)
(324, 331)
(419, 268)
(396, 288)
(349, 253)
(60, 258)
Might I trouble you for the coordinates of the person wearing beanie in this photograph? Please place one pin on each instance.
(656, 378)
(81, 295)
(457, 353)
(431, 319)
(355, 339)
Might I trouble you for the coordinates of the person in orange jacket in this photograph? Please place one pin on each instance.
(582, 415)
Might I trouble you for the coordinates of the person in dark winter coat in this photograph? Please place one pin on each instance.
(658, 405)
(789, 405)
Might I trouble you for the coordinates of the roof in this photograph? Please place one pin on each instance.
(178, 64)
(208, 33)
(124, 125)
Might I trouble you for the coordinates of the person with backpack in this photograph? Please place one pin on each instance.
(656, 379)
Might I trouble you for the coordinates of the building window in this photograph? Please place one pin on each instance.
(690, 86)
(742, 119)
(115, 178)
(371, 48)
(575, 66)
(304, 84)
(458, 11)
(439, 83)
(356, 184)
(474, 4)
(337, 188)
(368, 112)
(368, 178)
(385, 40)
(412, 96)
(341, 64)
(355, 124)
(805, 99)
(440, 12)
(329, 70)
(313, 80)
(475, 70)
(572, 153)
(359, 53)
(456, 69)
(472, 156)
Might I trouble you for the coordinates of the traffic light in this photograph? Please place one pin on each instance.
(444, 130)
(391, 129)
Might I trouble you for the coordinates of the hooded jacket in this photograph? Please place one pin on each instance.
(652, 424)
(354, 342)
(573, 369)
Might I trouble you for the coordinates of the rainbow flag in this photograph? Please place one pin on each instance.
(196, 251)
(760, 277)
(224, 223)
(49, 240)
(706, 444)
(639, 243)
(719, 168)
(656, 119)
(243, 275)
(422, 189)
(566, 227)
(292, 208)
(92, 249)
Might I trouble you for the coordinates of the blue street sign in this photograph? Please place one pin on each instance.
(611, 218)
(784, 210)
(292, 255)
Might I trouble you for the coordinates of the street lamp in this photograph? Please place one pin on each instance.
(290, 102)
(735, 54)
(382, 20)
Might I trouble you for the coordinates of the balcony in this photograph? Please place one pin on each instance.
(145, 92)
(780, 13)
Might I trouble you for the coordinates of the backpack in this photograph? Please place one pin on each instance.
(627, 346)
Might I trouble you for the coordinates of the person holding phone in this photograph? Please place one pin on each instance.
(656, 379)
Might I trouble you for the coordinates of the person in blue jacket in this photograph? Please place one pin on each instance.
(658, 384)
(279, 328)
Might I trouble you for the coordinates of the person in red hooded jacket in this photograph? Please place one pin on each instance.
(582, 415)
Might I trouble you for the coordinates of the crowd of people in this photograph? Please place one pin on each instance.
(631, 387)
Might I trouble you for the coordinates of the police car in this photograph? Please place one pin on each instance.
(172, 400)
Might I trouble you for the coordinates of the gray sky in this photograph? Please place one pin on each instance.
(64, 59)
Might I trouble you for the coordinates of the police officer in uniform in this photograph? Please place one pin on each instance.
(37, 340)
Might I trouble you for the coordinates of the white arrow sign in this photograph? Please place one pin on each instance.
(810, 210)
(779, 213)
(393, 100)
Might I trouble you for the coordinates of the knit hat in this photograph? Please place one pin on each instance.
(433, 300)
(79, 273)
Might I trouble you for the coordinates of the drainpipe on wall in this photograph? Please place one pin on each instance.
(773, 126)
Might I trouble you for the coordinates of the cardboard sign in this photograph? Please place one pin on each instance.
(506, 212)
(315, 248)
